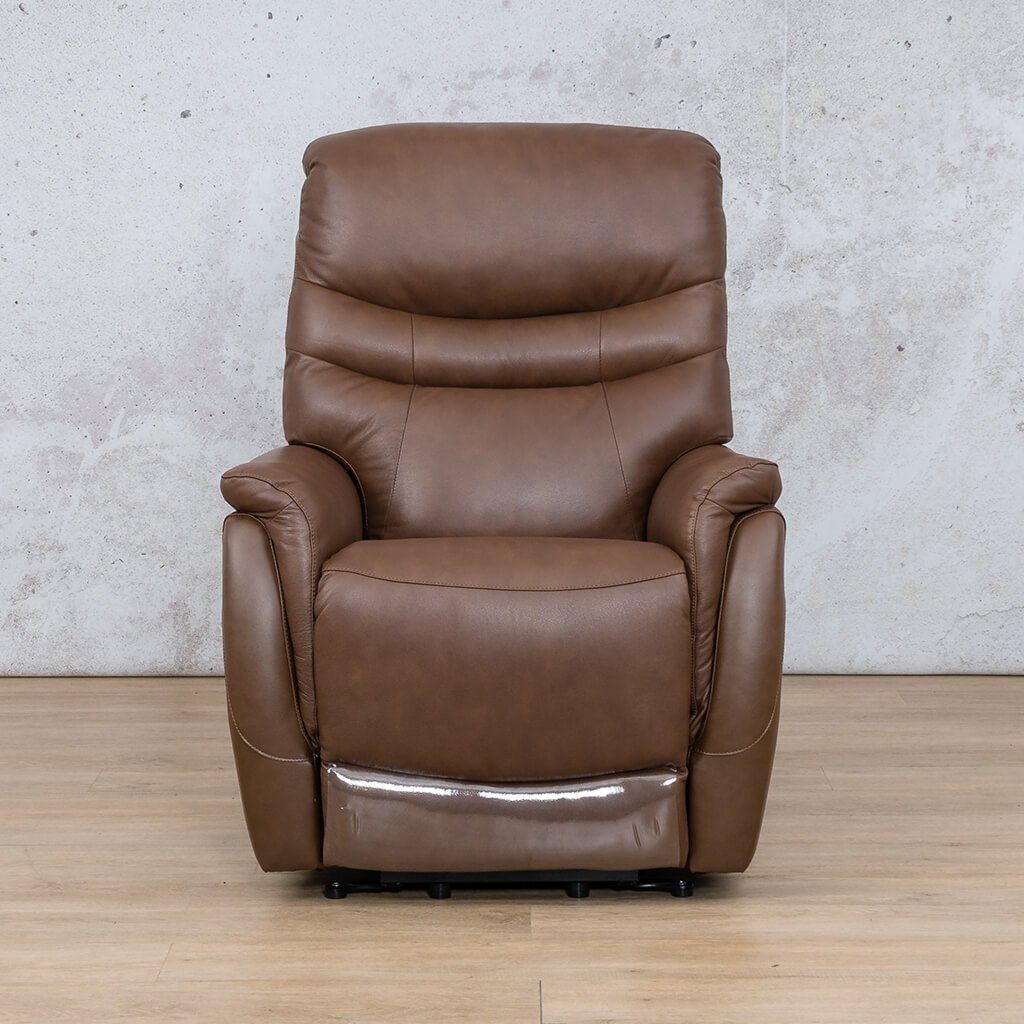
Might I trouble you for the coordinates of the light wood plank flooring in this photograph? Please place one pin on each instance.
(889, 884)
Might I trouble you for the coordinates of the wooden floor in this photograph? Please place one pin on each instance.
(889, 884)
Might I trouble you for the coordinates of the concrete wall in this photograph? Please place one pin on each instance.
(875, 191)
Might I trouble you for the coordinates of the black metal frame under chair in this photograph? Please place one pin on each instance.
(577, 884)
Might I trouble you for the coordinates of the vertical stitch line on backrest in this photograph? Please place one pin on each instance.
(405, 425)
(412, 348)
(611, 422)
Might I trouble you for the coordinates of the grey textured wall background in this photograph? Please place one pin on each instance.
(874, 166)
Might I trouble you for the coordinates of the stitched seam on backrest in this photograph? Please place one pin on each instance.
(650, 341)
(718, 279)
(405, 425)
(412, 348)
(511, 387)
(611, 422)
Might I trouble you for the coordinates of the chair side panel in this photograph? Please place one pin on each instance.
(731, 764)
(276, 770)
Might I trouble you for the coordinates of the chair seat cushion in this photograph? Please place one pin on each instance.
(503, 658)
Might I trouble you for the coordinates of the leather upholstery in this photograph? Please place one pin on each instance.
(310, 508)
(510, 220)
(731, 764)
(593, 333)
(535, 658)
(385, 821)
(501, 528)
(693, 512)
(274, 756)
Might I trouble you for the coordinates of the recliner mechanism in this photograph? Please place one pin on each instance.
(577, 884)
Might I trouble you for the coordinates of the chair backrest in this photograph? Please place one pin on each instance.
(508, 329)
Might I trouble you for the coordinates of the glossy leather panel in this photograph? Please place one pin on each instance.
(731, 765)
(510, 220)
(310, 507)
(390, 822)
(436, 657)
(693, 511)
(276, 772)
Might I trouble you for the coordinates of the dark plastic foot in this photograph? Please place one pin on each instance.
(335, 891)
(439, 891)
(682, 889)
(577, 890)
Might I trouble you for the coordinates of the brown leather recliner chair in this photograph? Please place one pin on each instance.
(505, 602)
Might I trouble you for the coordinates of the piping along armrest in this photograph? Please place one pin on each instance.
(310, 508)
(694, 510)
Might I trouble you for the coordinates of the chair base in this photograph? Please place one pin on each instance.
(439, 886)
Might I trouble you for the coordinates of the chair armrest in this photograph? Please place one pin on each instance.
(693, 511)
(731, 763)
(311, 508)
(278, 774)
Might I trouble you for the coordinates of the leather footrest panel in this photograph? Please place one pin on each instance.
(386, 821)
